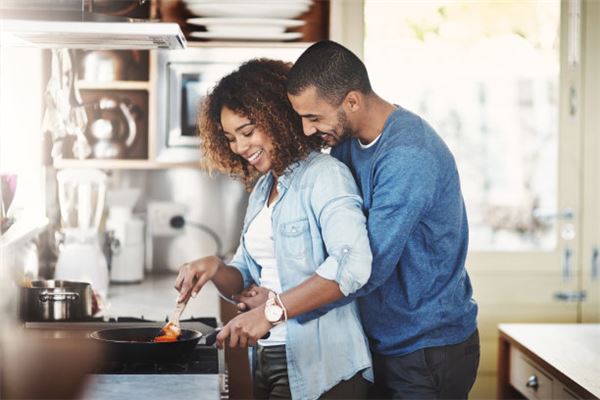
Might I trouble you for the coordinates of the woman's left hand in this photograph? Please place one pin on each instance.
(245, 329)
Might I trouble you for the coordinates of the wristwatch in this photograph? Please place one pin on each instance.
(273, 311)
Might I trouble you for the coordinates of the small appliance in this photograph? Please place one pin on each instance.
(81, 195)
(126, 237)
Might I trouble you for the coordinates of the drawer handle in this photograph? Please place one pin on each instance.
(532, 382)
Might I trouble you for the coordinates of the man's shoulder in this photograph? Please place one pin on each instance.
(410, 138)
(403, 120)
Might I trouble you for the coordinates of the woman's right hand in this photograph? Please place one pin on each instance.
(193, 275)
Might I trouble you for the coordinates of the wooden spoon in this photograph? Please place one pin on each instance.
(171, 331)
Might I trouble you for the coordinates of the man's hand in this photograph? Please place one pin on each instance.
(251, 297)
(245, 329)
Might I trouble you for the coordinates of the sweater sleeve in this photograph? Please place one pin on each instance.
(404, 183)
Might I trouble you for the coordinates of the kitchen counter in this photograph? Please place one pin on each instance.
(549, 361)
(153, 387)
(154, 299)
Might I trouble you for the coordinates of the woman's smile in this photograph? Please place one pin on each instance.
(256, 157)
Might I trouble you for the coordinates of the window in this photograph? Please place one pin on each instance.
(485, 75)
(20, 127)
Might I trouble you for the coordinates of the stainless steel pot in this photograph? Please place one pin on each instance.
(56, 301)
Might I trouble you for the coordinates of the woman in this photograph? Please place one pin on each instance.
(304, 237)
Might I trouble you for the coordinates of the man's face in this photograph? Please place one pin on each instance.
(321, 118)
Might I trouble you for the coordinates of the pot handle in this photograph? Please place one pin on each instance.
(211, 338)
(130, 123)
(65, 296)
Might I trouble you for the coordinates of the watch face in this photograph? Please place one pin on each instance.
(273, 313)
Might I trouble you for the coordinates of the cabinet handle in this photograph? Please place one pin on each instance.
(594, 271)
(567, 261)
(541, 215)
(576, 296)
(532, 382)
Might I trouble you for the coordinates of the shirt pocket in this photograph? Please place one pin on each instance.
(295, 238)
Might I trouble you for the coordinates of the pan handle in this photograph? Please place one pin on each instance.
(211, 338)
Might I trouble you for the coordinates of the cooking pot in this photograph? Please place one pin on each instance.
(52, 300)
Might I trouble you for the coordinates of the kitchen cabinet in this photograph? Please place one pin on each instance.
(124, 78)
(549, 361)
(315, 28)
(129, 78)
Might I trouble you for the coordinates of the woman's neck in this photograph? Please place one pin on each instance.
(273, 194)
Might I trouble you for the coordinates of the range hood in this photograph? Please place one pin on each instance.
(77, 29)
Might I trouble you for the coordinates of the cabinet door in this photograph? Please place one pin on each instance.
(590, 274)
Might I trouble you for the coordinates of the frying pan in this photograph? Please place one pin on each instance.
(136, 344)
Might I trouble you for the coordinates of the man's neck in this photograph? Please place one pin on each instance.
(373, 118)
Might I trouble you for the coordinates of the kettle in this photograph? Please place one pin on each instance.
(113, 129)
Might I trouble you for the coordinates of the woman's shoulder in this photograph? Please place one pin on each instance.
(324, 167)
(317, 160)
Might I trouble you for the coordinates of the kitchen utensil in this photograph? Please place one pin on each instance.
(77, 122)
(81, 198)
(171, 331)
(126, 236)
(103, 66)
(113, 129)
(246, 27)
(8, 187)
(138, 345)
(254, 37)
(248, 9)
(52, 300)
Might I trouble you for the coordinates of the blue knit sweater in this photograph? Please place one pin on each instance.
(419, 294)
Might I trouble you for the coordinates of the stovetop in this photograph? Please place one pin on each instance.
(202, 360)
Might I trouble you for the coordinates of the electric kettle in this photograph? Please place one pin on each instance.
(113, 128)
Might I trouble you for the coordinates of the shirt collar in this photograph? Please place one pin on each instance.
(289, 173)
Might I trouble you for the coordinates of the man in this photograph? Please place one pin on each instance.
(417, 308)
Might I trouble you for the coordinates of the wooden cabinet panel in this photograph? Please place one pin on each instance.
(549, 361)
(528, 377)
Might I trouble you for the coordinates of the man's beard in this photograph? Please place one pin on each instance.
(345, 129)
(341, 133)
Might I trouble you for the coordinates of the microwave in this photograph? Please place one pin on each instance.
(184, 77)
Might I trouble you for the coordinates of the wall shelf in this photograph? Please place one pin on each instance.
(121, 164)
(113, 85)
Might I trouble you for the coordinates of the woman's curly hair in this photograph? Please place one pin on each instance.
(257, 91)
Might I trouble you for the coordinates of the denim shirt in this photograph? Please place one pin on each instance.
(318, 227)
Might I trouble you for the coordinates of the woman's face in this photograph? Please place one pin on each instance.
(247, 140)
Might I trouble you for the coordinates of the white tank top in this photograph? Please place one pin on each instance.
(260, 246)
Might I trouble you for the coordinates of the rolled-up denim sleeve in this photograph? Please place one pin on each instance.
(338, 206)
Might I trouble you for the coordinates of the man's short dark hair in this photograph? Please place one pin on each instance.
(332, 69)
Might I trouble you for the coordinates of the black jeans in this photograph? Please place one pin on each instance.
(445, 372)
(271, 378)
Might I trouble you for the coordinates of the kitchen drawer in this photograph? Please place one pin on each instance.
(560, 391)
(527, 377)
